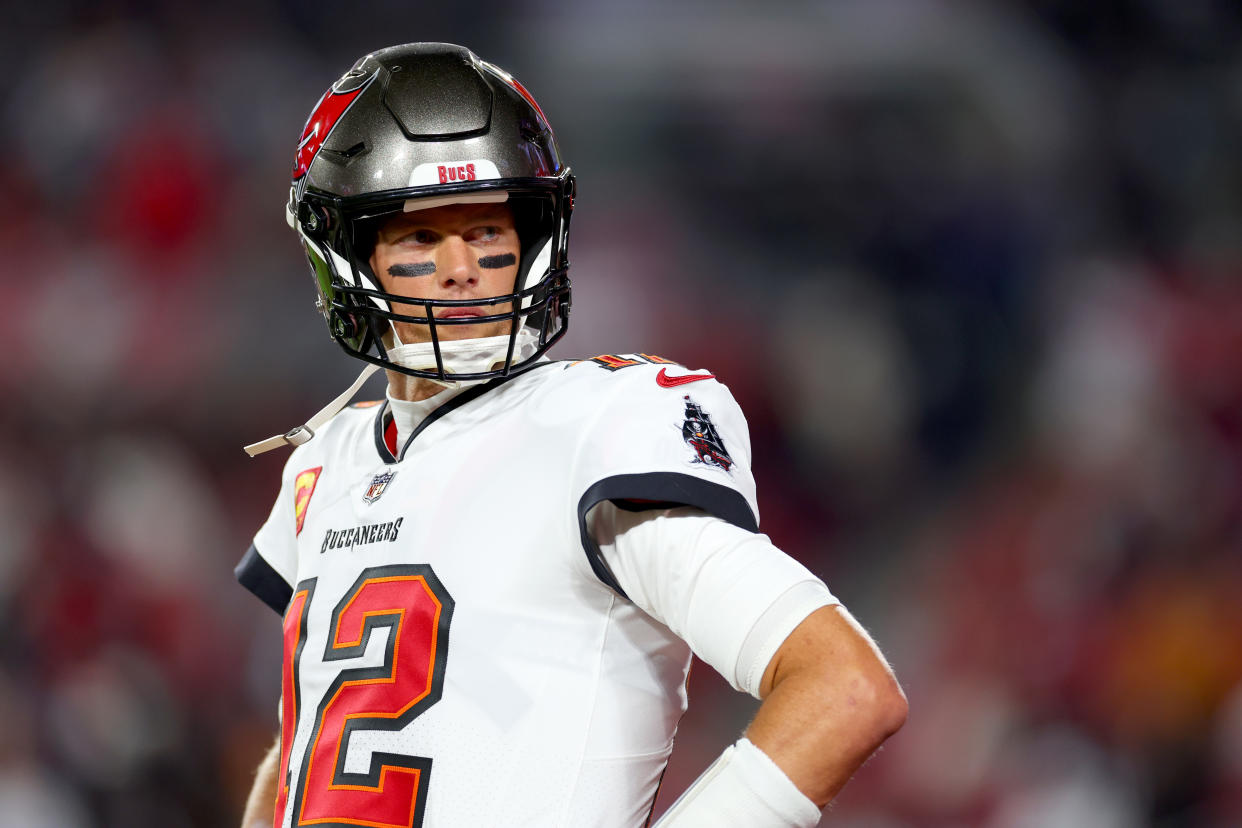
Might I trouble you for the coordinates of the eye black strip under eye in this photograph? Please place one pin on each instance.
(412, 269)
(497, 261)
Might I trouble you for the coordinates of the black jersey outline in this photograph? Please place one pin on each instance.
(663, 488)
(261, 578)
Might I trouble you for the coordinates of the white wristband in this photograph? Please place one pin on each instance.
(742, 789)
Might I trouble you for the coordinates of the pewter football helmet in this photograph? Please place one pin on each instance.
(416, 126)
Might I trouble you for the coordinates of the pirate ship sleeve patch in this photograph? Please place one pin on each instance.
(704, 440)
(654, 421)
(655, 445)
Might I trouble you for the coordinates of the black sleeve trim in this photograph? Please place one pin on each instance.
(665, 489)
(644, 505)
(257, 575)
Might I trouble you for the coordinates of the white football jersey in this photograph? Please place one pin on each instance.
(457, 652)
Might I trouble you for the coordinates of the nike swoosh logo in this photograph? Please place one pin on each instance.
(665, 381)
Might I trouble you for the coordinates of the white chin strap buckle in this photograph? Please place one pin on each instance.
(299, 435)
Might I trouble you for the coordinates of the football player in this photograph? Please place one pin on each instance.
(493, 581)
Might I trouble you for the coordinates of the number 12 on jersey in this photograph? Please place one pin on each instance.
(410, 602)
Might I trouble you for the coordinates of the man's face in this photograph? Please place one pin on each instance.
(458, 251)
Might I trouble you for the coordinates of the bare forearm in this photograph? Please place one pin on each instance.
(261, 803)
(820, 725)
(819, 753)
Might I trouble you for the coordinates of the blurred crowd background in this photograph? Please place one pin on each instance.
(974, 271)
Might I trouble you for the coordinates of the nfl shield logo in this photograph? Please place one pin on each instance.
(378, 484)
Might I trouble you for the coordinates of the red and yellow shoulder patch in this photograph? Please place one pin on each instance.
(615, 362)
(365, 404)
(303, 488)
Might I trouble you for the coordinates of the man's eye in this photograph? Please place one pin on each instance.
(488, 233)
(419, 237)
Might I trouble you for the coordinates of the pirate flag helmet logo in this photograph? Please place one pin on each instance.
(701, 435)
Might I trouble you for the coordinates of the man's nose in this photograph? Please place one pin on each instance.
(457, 265)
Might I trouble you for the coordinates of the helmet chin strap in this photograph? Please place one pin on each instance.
(303, 433)
(462, 356)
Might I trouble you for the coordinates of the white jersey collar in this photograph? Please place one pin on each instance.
(425, 412)
(407, 415)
